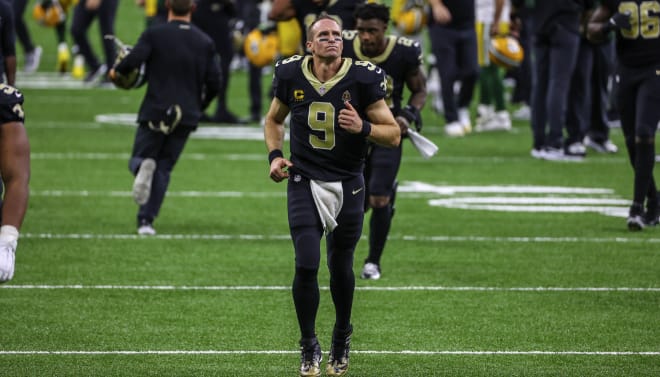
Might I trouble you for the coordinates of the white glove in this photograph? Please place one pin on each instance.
(8, 243)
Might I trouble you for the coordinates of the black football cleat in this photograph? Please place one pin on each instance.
(310, 357)
(338, 359)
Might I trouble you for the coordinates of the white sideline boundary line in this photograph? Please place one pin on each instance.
(326, 288)
(365, 352)
(286, 237)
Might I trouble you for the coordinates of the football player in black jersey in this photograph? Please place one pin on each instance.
(305, 11)
(179, 87)
(402, 60)
(333, 102)
(637, 25)
(15, 173)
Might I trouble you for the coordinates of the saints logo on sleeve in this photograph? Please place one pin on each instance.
(11, 104)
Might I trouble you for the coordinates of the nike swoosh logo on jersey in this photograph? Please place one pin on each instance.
(357, 190)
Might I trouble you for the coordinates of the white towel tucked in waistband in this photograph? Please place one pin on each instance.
(329, 198)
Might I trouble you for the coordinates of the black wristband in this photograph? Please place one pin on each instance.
(275, 153)
(366, 129)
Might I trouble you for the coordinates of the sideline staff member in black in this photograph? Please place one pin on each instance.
(180, 86)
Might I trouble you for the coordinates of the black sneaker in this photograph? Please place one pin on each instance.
(338, 359)
(636, 217)
(310, 357)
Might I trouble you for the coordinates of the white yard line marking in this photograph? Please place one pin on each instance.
(529, 239)
(283, 237)
(287, 288)
(158, 236)
(548, 199)
(184, 194)
(530, 200)
(126, 156)
(365, 352)
(417, 186)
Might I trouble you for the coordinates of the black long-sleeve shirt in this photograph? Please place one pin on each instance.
(182, 69)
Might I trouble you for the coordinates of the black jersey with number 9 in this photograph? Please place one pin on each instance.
(320, 148)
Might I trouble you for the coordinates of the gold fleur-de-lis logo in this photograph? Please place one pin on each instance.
(346, 96)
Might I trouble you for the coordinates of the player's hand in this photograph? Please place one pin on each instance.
(411, 115)
(403, 125)
(618, 21)
(349, 119)
(7, 258)
(279, 169)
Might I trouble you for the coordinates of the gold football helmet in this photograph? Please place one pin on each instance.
(48, 13)
(411, 19)
(260, 49)
(505, 51)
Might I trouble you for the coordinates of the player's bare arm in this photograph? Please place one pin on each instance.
(416, 83)
(382, 128)
(274, 136)
(497, 17)
(15, 170)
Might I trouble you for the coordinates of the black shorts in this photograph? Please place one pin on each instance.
(306, 227)
(638, 100)
(381, 170)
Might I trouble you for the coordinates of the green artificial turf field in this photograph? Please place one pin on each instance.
(497, 264)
